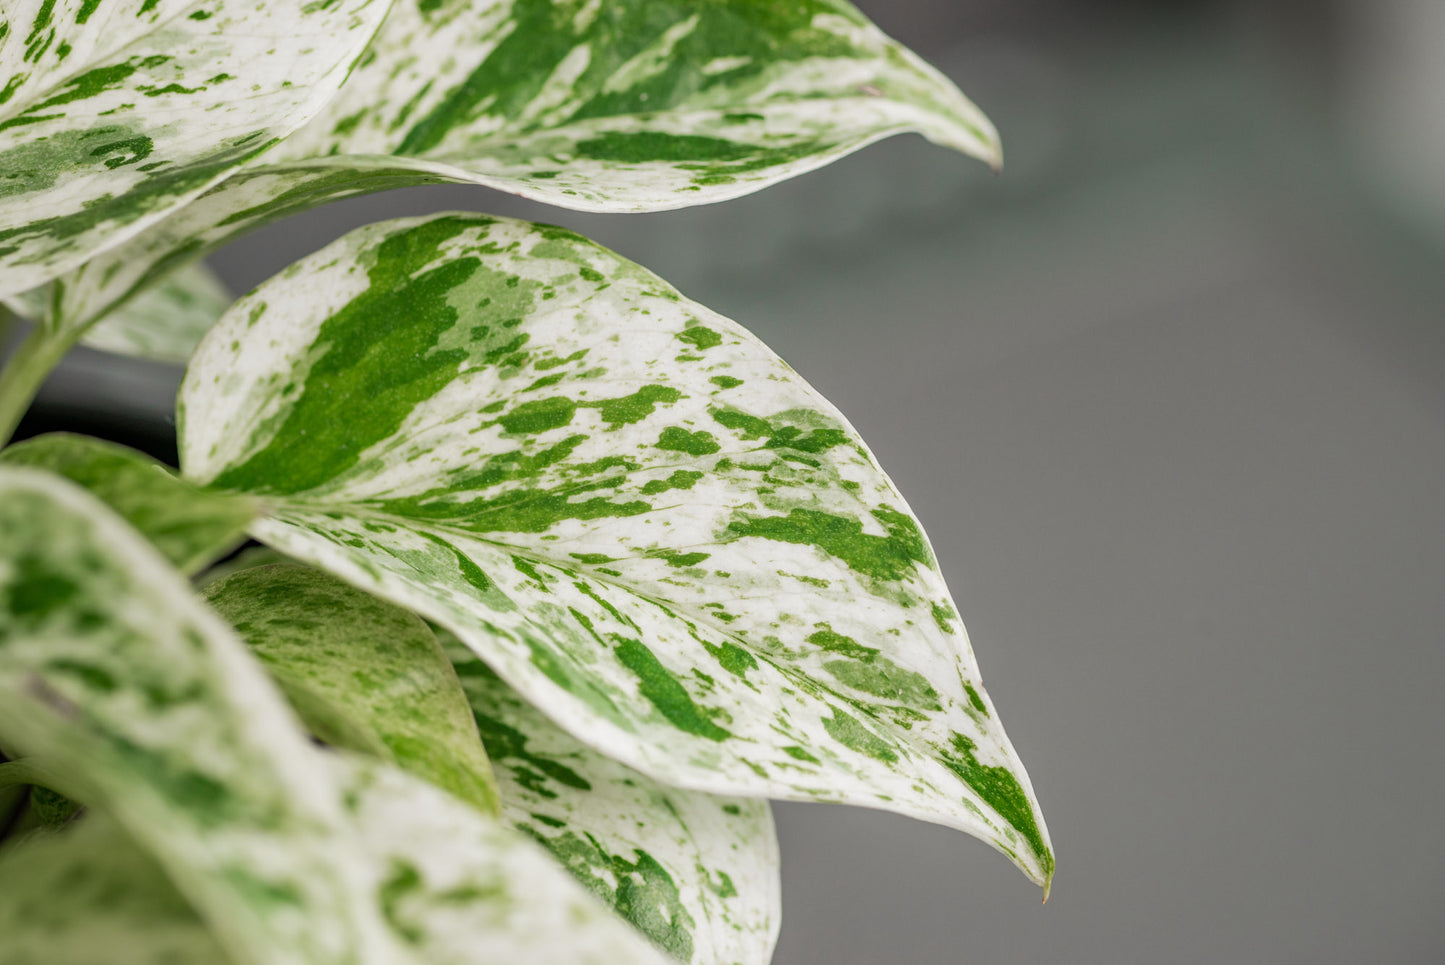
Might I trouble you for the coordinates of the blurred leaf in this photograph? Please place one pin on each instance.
(112, 672)
(167, 321)
(91, 895)
(163, 322)
(190, 526)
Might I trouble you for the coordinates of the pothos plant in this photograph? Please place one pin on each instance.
(567, 574)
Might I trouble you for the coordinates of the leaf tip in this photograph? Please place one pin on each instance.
(994, 158)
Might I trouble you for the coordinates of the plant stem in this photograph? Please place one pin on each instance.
(25, 371)
(25, 772)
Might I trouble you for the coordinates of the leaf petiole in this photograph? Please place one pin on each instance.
(25, 371)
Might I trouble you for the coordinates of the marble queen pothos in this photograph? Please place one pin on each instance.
(602, 105)
(668, 578)
(640, 517)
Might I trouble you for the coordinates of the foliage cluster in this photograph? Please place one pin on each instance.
(564, 575)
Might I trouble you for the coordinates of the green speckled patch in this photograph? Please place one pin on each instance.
(363, 674)
(784, 597)
(658, 855)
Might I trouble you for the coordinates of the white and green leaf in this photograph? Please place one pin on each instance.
(612, 105)
(190, 526)
(602, 105)
(90, 894)
(167, 321)
(641, 518)
(114, 674)
(362, 673)
(115, 112)
(697, 874)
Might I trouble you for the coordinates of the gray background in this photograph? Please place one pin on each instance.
(1167, 395)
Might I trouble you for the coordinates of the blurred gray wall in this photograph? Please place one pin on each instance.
(1168, 396)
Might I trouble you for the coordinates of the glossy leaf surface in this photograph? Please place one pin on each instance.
(641, 518)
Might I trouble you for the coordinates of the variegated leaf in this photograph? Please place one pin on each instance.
(190, 526)
(614, 105)
(166, 322)
(463, 889)
(591, 104)
(120, 282)
(697, 874)
(114, 112)
(641, 518)
(92, 895)
(362, 673)
(112, 673)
